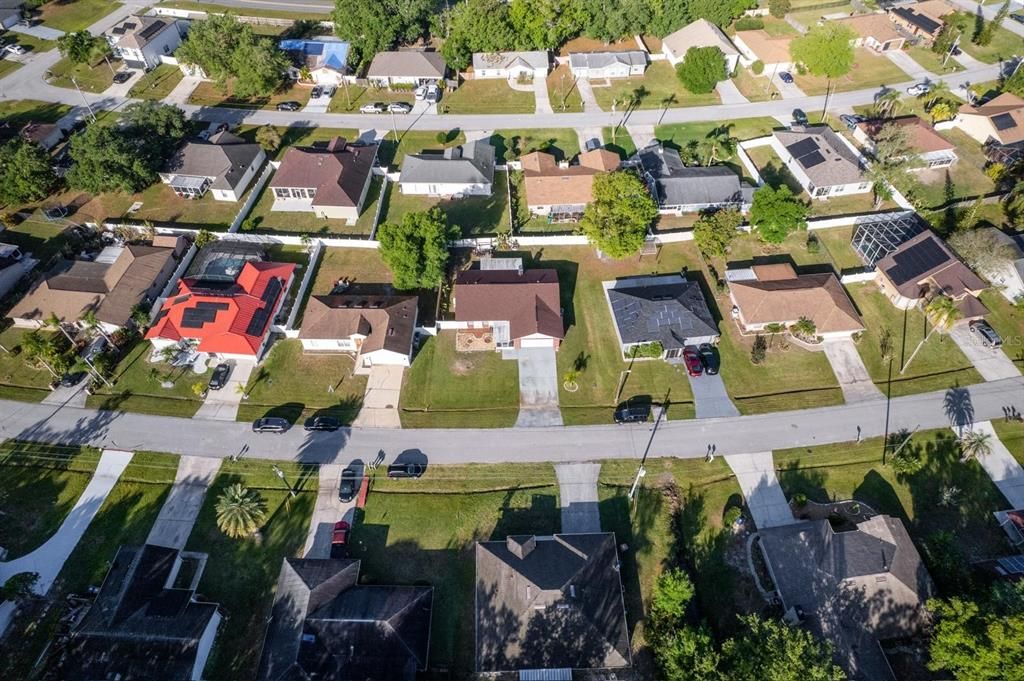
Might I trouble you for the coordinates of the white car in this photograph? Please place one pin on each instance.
(433, 94)
(420, 92)
(919, 89)
(374, 108)
(14, 48)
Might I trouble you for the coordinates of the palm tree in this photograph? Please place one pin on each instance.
(94, 324)
(54, 321)
(941, 111)
(974, 444)
(939, 92)
(887, 104)
(720, 139)
(40, 350)
(240, 511)
(942, 311)
(805, 328)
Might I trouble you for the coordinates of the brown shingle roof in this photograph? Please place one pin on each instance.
(926, 259)
(1008, 105)
(387, 322)
(766, 48)
(875, 26)
(529, 301)
(776, 299)
(548, 184)
(921, 137)
(338, 173)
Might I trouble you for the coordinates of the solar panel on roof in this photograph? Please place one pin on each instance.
(152, 30)
(1004, 122)
(1013, 565)
(917, 260)
(258, 322)
(120, 30)
(271, 292)
(812, 159)
(802, 148)
(200, 315)
(128, 26)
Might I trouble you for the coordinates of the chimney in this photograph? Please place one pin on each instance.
(336, 145)
(521, 545)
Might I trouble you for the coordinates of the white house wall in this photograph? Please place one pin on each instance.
(204, 646)
(444, 189)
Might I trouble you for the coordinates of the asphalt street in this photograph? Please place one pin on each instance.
(685, 439)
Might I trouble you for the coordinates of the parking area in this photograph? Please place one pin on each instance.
(380, 401)
(328, 510)
(538, 388)
(222, 405)
(991, 363)
(319, 100)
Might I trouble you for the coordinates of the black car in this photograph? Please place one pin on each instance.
(289, 106)
(799, 117)
(349, 486)
(709, 358)
(406, 470)
(270, 424)
(316, 92)
(71, 379)
(221, 372)
(321, 423)
(786, 77)
(637, 413)
(122, 77)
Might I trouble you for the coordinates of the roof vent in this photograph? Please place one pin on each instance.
(521, 545)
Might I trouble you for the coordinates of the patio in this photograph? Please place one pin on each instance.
(474, 340)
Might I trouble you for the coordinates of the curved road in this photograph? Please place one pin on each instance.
(685, 439)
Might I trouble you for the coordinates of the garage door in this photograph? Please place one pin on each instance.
(535, 343)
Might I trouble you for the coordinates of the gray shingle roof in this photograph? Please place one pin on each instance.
(666, 309)
(407, 64)
(822, 155)
(224, 158)
(675, 184)
(537, 59)
(600, 60)
(472, 163)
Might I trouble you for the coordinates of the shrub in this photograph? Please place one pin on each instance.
(651, 350)
(759, 351)
(757, 67)
(778, 8)
(731, 516)
(996, 172)
(749, 23)
(800, 499)
(813, 245)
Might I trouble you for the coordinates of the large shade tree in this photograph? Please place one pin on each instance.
(228, 50)
(701, 69)
(26, 172)
(416, 249)
(476, 26)
(617, 219)
(775, 213)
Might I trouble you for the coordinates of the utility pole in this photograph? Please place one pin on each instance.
(86, 101)
(641, 471)
(828, 94)
(952, 48)
(280, 474)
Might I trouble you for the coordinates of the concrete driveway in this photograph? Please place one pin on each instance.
(121, 89)
(1005, 471)
(587, 95)
(318, 105)
(755, 473)
(850, 371)
(222, 405)
(729, 93)
(992, 364)
(68, 397)
(40, 31)
(538, 388)
(577, 496)
(710, 396)
(178, 514)
(327, 511)
(788, 90)
(541, 98)
(380, 401)
(902, 60)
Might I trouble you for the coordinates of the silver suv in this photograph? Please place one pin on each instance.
(989, 337)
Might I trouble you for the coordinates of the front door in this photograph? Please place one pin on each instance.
(674, 353)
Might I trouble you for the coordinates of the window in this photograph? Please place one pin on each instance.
(282, 192)
(864, 185)
(821, 191)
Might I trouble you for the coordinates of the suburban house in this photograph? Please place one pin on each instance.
(325, 625)
(324, 57)
(330, 182)
(924, 266)
(408, 68)
(225, 164)
(879, 235)
(466, 170)
(700, 33)
(510, 65)
(377, 329)
(931, 149)
(999, 121)
(142, 41)
(10, 12)
(874, 31)
(1009, 278)
(922, 20)
(595, 65)
(757, 45)
(146, 621)
(854, 588)
(768, 295)
(559, 191)
(226, 303)
(45, 135)
(550, 603)
(669, 310)
(680, 189)
(13, 266)
(822, 162)
(501, 305)
(111, 285)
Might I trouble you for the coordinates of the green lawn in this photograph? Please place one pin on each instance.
(618, 139)
(297, 136)
(590, 345)
(158, 83)
(346, 101)
(77, 15)
(966, 178)
(89, 78)
(491, 95)
(249, 11)
(475, 215)
(562, 91)
(365, 223)
(295, 385)
(409, 538)
(209, 94)
(359, 265)
(755, 88)
(869, 70)
(125, 517)
(8, 66)
(138, 386)
(1004, 43)
(658, 88)
(38, 486)
(747, 247)
(1008, 321)
(415, 142)
(448, 389)
(18, 112)
(1011, 434)
(562, 142)
(690, 138)
(161, 205)
(933, 62)
(262, 218)
(241, 573)
(18, 379)
(836, 241)
(938, 365)
(854, 470)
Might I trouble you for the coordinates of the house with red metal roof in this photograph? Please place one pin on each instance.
(226, 304)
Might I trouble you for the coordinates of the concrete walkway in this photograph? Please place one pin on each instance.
(180, 510)
(577, 497)
(587, 95)
(327, 511)
(729, 93)
(222, 405)
(538, 388)
(380, 401)
(1001, 466)
(756, 475)
(991, 363)
(850, 371)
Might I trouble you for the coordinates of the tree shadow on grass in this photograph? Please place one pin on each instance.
(807, 481)
(878, 493)
(635, 533)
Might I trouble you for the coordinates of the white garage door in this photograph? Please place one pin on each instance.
(535, 343)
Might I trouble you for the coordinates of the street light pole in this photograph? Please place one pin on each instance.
(642, 471)
(280, 474)
(84, 100)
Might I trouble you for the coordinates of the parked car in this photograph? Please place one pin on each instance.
(94, 349)
(709, 358)
(28, 22)
(433, 94)
(633, 413)
(270, 424)
(122, 77)
(14, 48)
(339, 539)
(986, 333)
(786, 77)
(919, 89)
(851, 120)
(322, 423)
(71, 379)
(220, 376)
(316, 92)
(1019, 18)
(349, 486)
(406, 470)
(329, 90)
(289, 106)
(799, 117)
(400, 107)
(376, 107)
(692, 360)
(420, 93)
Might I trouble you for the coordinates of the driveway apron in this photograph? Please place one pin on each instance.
(755, 473)
(788, 90)
(710, 397)
(222, 405)
(850, 371)
(380, 401)
(41, 32)
(1006, 473)
(538, 388)
(729, 93)
(68, 397)
(902, 60)
(587, 95)
(577, 496)
(540, 96)
(178, 514)
(328, 510)
(991, 363)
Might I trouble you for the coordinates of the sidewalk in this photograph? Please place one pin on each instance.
(1006, 473)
